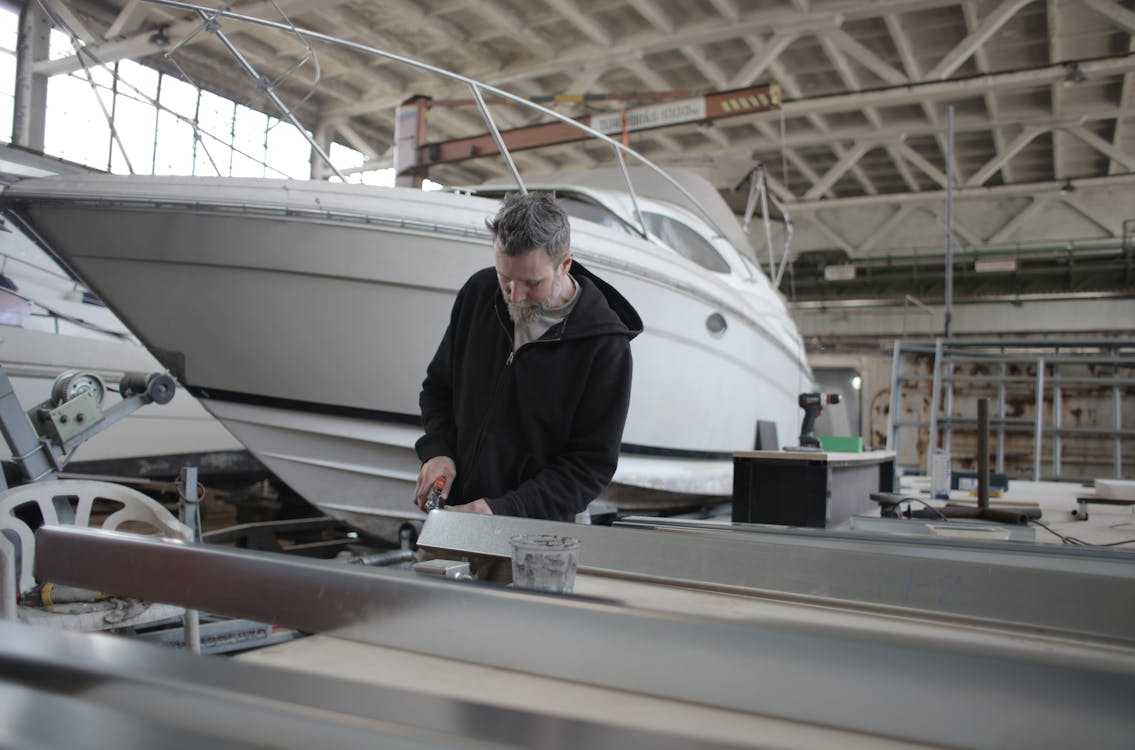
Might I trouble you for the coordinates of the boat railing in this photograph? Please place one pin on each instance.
(6, 258)
(210, 22)
(44, 310)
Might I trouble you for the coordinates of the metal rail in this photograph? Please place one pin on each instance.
(897, 685)
(1072, 591)
(214, 14)
(100, 692)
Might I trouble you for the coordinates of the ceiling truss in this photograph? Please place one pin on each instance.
(1042, 94)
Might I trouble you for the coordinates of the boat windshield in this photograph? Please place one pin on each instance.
(590, 211)
(666, 230)
(685, 241)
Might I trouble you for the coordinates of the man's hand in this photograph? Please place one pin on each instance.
(438, 466)
(477, 506)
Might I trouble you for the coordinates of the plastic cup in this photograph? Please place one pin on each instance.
(544, 562)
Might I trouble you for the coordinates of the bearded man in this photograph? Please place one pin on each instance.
(524, 402)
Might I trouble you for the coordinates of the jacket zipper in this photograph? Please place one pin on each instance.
(496, 390)
(489, 412)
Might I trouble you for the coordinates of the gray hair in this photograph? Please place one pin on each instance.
(526, 222)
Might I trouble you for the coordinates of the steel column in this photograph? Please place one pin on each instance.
(1039, 418)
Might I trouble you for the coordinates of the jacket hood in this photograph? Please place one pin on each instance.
(625, 313)
(600, 310)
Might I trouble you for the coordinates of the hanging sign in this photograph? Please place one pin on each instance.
(654, 116)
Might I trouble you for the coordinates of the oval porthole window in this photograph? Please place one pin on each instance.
(716, 325)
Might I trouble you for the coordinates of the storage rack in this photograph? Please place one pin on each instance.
(1051, 372)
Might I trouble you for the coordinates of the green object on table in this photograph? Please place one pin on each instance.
(842, 444)
(967, 480)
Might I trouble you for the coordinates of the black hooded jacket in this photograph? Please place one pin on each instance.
(535, 432)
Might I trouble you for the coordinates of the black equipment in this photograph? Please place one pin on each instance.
(813, 405)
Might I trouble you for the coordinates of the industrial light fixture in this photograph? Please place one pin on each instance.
(995, 265)
(1073, 74)
(842, 272)
(160, 38)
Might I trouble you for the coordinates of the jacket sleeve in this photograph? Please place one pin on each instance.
(436, 398)
(584, 469)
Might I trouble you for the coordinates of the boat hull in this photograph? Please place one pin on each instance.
(153, 441)
(304, 320)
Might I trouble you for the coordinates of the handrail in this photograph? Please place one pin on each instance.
(209, 23)
(475, 85)
(5, 257)
(58, 315)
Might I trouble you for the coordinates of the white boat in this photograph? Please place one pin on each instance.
(51, 324)
(303, 315)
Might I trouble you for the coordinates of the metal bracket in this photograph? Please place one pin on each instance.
(446, 568)
(1082, 503)
(43, 439)
(69, 419)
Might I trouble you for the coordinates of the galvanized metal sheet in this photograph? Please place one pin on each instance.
(1087, 593)
(95, 692)
(888, 684)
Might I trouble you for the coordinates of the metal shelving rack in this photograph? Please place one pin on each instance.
(1005, 370)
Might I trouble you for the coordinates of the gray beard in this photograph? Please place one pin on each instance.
(526, 312)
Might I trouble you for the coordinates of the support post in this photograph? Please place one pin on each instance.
(983, 453)
(1038, 429)
(29, 110)
(409, 137)
(187, 509)
(35, 459)
(322, 137)
(949, 221)
(935, 404)
(9, 579)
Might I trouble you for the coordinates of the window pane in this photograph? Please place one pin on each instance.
(137, 81)
(9, 30)
(9, 23)
(76, 128)
(135, 123)
(7, 91)
(248, 142)
(289, 153)
(590, 212)
(216, 117)
(179, 96)
(175, 146)
(344, 157)
(212, 157)
(685, 241)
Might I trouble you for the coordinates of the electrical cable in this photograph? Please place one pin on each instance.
(1065, 539)
(1077, 541)
(1115, 544)
(928, 505)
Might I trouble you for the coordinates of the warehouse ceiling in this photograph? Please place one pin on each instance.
(1042, 95)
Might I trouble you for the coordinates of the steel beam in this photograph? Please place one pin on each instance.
(723, 104)
(898, 685)
(1086, 593)
(96, 692)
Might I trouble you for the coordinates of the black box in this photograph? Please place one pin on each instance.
(816, 489)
